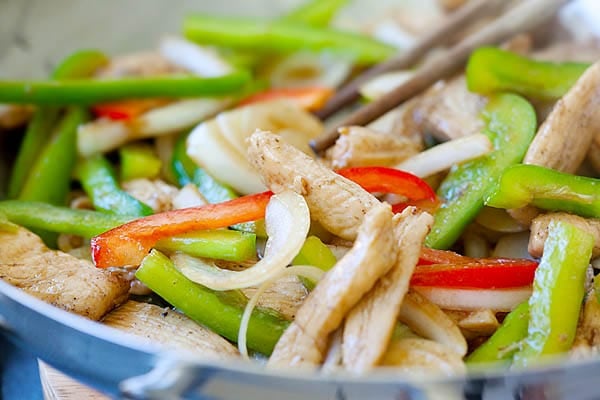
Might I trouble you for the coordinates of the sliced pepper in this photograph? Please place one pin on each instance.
(100, 184)
(390, 180)
(281, 37)
(222, 244)
(558, 292)
(126, 110)
(481, 273)
(89, 91)
(315, 253)
(510, 125)
(315, 12)
(59, 219)
(502, 345)
(309, 98)
(491, 70)
(80, 64)
(548, 189)
(219, 311)
(128, 244)
(139, 161)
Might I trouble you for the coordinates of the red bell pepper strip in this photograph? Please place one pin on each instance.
(309, 98)
(481, 273)
(128, 244)
(125, 110)
(390, 180)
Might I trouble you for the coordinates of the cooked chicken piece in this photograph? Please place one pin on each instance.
(539, 230)
(285, 296)
(429, 321)
(14, 115)
(169, 328)
(573, 120)
(369, 325)
(449, 111)
(422, 357)
(358, 146)
(138, 64)
(474, 323)
(58, 278)
(336, 202)
(587, 337)
(188, 196)
(333, 359)
(155, 193)
(305, 341)
(401, 121)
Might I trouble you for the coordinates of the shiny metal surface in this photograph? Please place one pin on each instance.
(33, 36)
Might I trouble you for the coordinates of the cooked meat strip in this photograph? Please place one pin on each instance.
(369, 325)
(539, 230)
(429, 321)
(285, 296)
(58, 278)
(593, 154)
(169, 328)
(422, 357)
(336, 202)
(474, 323)
(449, 111)
(305, 342)
(358, 146)
(155, 193)
(587, 337)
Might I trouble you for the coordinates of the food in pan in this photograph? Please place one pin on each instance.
(174, 194)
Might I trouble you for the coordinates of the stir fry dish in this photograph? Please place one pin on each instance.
(174, 194)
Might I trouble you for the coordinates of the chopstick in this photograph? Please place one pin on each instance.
(456, 23)
(521, 18)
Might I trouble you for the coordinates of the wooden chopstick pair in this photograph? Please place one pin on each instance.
(521, 18)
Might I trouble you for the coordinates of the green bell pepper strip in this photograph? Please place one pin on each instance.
(281, 37)
(491, 69)
(504, 342)
(212, 309)
(315, 12)
(80, 64)
(558, 291)
(547, 189)
(99, 182)
(39, 128)
(58, 219)
(50, 177)
(90, 91)
(222, 244)
(138, 161)
(315, 253)
(510, 125)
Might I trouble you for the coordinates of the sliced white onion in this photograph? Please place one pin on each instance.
(390, 32)
(443, 156)
(307, 271)
(188, 196)
(429, 321)
(287, 221)
(383, 84)
(475, 299)
(498, 220)
(200, 60)
(219, 145)
(103, 135)
(305, 69)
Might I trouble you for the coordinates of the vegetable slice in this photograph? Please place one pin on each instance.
(287, 221)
